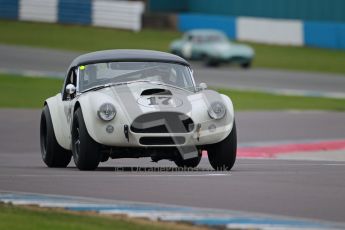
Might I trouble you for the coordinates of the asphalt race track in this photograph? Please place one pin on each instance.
(296, 188)
(293, 188)
(19, 128)
(54, 62)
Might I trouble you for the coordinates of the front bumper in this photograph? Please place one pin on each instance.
(209, 132)
(232, 59)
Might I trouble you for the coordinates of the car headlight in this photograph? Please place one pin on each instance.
(106, 112)
(217, 110)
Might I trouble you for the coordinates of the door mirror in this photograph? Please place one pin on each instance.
(202, 86)
(70, 89)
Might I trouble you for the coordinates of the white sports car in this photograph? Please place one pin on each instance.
(136, 103)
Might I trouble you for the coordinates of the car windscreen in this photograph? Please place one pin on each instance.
(209, 38)
(98, 74)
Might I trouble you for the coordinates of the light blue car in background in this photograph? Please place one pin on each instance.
(212, 47)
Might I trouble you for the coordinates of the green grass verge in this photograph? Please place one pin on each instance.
(245, 100)
(17, 218)
(22, 92)
(299, 58)
(82, 38)
(85, 38)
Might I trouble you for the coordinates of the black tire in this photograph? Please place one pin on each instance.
(222, 155)
(246, 65)
(86, 151)
(53, 155)
(210, 62)
(189, 163)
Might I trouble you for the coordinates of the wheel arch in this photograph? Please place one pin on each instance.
(230, 108)
(89, 106)
(76, 106)
(60, 126)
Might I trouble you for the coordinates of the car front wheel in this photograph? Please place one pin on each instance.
(210, 62)
(246, 65)
(86, 151)
(222, 155)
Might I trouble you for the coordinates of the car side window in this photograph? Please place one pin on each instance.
(198, 39)
(190, 38)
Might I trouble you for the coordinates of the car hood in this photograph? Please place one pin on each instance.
(138, 98)
(133, 100)
(242, 50)
(219, 45)
(230, 49)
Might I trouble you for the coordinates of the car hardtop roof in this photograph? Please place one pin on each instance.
(206, 32)
(127, 55)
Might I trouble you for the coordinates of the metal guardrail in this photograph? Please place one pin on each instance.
(107, 13)
(269, 30)
(117, 14)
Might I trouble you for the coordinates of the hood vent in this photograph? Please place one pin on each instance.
(156, 91)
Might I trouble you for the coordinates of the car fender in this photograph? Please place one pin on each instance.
(89, 104)
(228, 120)
(242, 51)
(58, 117)
(229, 106)
(230, 114)
(176, 45)
(224, 125)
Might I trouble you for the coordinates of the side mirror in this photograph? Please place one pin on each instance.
(70, 89)
(202, 86)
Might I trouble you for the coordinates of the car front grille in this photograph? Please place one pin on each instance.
(162, 122)
(162, 140)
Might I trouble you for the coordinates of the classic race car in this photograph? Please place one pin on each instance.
(213, 47)
(136, 103)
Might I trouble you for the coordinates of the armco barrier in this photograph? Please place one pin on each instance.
(283, 32)
(324, 34)
(107, 13)
(74, 11)
(271, 31)
(304, 10)
(38, 10)
(9, 9)
(117, 14)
